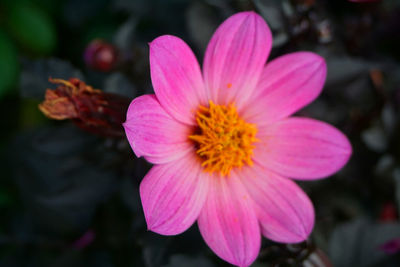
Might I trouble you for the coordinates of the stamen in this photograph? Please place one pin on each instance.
(224, 140)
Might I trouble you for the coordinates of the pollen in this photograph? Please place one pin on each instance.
(224, 141)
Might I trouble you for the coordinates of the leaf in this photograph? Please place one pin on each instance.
(124, 37)
(272, 13)
(384, 167)
(34, 79)
(201, 23)
(155, 248)
(138, 7)
(343, 69)
(389, 118)
(396, 174)
(119, 84)
(184, 260)
(8, 64)
(61, 177)
(76, 12)
(358, 243)
(41, 36)
(375, 138)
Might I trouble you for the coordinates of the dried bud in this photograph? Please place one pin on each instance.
(91, 109)
(100, 55)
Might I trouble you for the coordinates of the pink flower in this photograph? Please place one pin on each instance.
(223, 143)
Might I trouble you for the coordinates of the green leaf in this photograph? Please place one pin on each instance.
(9, 67)
(32, 28)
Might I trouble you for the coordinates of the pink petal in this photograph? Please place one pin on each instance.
(235, 56)
(153, 133)
(285, 212)
(287, 84)
(173, 194)
(176, 77)
(228, 222)
(302, 148)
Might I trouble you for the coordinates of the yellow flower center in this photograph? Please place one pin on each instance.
(223, 139)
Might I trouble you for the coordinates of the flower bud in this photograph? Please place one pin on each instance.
(101, 56)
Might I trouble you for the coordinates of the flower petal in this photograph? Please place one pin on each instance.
(235, 57)
(153, 133)
(285, 212)
(287, 84)
(302, 148)
(228, 222)
(176, 77)
(173, 194)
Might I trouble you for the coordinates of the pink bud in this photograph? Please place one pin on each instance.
(100, 55)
